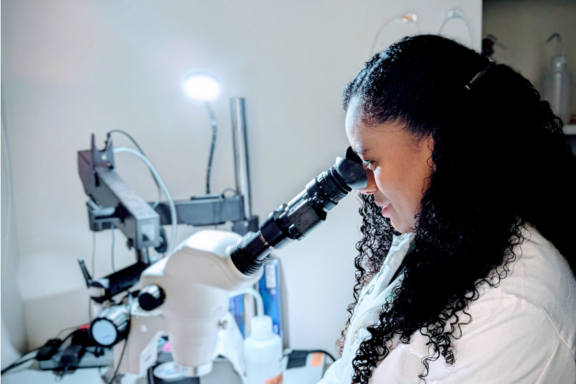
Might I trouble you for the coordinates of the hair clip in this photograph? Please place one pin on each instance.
(480, 74)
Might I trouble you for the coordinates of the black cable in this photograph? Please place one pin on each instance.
(93, 271)
(97, 352)
(60, 372)
(69, 336)
(142, 152)
(112, 231)
(312, 351)
(150, 373)
(66, 329)
(212, 146)
(120, 360)
(93, 254)
(17, 363)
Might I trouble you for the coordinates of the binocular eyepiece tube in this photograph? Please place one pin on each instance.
(296, 219)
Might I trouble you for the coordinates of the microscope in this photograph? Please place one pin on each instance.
(186, 294)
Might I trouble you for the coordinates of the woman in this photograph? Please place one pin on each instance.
(465, 272)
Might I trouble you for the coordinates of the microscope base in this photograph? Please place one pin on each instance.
(222, 372)
(201, 370)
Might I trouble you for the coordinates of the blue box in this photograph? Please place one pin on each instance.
(238, 312)
(269, 288)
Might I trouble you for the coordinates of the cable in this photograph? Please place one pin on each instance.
(75, 328)
(112, 248)
(97, 352)
(255, 294)
(93, 254)
(173, 215)
(93, 271)
(212, 146)
(6, 158)
(452, 14)
(63, 367)
(20, 361)
(69, 336)
(131, 139)
(119, 361)
(408, 17)
(142, 152)
(307, 352)
(16, 364)
(230, 189)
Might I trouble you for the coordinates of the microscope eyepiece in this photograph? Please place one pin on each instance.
(296, 219)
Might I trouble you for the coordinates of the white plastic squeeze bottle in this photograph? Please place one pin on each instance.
(263, 353)
(558, 84)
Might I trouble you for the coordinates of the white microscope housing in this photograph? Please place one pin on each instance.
(196, 281)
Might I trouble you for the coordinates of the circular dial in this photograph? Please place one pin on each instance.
(151, 297)
(110, 326)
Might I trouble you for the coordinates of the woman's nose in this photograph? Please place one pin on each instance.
(371, 187)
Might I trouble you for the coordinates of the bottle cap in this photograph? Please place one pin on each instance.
(558, 62)
(261, 327)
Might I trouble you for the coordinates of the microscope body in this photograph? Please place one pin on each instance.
(196, 281)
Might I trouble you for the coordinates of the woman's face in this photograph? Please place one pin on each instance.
(398, 165)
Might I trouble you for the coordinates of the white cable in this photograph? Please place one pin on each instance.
(142, 152)
(257, 296)
(453, 14)
(408, 17)
(173, 216)
(10, 189)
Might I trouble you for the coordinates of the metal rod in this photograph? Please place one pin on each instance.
(241, 165)
(142, 255)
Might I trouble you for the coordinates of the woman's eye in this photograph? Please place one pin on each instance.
(367, 164)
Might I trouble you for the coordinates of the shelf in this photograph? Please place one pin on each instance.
(570, 129)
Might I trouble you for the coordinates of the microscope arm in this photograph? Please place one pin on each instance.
(128, 211)
(210, 210)
(113, 203)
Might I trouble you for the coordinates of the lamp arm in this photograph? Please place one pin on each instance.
(213, 145)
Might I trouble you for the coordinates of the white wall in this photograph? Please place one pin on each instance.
(76, 67)
(13, 334)
(523, 26)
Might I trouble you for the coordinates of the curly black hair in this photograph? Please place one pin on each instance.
(501, 161)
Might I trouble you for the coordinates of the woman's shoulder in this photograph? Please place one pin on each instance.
(541, 276)
(528, 322)
(539, 281)
(508, 339)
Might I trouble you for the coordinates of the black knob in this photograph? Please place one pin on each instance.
(151, 297)
(110, 326)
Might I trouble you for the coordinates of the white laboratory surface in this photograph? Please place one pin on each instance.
(222, 373)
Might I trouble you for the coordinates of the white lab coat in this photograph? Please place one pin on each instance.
(523, 331)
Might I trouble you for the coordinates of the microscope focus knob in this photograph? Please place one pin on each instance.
(151, 297)
(110, 326)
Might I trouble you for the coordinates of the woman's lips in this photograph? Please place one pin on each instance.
(385, 209)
